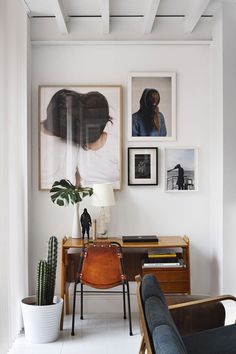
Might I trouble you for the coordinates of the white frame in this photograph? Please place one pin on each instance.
(195, 164)
(172, 76)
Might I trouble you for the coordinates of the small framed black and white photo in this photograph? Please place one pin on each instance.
(181, 172)
(142, 166)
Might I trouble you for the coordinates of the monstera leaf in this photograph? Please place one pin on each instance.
(64, 193)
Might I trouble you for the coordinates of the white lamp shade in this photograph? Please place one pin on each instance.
(103, 195)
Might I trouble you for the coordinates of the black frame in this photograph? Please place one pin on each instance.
(147, 173)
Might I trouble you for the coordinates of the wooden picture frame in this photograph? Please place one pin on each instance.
(181, 169)
(150, 118)
(142, 166)
(80, 128)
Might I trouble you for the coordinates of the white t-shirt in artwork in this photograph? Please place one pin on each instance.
(60, 159)
(102, 165)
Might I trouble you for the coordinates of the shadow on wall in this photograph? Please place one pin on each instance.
(204, 271)
(131, 215)
(215, 287)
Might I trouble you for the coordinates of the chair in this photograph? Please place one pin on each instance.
(101, 266)
(160, 334)
(191, 319)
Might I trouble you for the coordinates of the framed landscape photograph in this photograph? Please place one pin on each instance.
(142, 166)
(152, 106)
(80, 133)
(181, 169)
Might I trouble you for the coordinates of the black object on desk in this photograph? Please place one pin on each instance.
(142, 238)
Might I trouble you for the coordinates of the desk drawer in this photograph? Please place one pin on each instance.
(168, 275)
(171, 281)
(175, 287)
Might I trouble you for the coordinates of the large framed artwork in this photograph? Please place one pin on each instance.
(80, 133)
(142, 166)
(181, 172)
(152, 106)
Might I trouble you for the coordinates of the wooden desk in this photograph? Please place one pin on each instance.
(172, 280)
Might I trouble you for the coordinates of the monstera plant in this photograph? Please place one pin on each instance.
(64, 193)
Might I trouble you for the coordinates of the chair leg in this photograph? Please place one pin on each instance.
(129, 311)
(142, 346)
(73, 312)
(124, 304)
(81, 301)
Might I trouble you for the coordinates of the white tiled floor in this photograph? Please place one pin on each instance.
(99, 333)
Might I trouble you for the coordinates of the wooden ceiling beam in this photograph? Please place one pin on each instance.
(61, 17)
(194, 16)
(150, 15)
(105, 13)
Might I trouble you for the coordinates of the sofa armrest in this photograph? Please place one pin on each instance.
(202, 301)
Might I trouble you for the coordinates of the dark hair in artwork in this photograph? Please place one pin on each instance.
(78, 117)
(149, 109)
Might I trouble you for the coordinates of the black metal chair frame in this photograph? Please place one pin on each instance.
(124, 283)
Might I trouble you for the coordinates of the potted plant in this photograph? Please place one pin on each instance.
(64, 193)
(42, 313)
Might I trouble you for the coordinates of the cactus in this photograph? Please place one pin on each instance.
(42, 281)
(46, 275)
(52, 267)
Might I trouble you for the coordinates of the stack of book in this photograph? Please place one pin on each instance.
(164, 258)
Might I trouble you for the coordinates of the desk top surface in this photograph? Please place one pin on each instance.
(163, 241)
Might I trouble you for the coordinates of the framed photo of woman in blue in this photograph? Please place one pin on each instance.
(152, 106)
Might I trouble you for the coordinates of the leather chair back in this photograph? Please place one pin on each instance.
(101, 265)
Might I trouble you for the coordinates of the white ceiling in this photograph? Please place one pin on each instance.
(150, 10)
(117, 7)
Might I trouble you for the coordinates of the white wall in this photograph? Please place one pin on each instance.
(13, 168)
(216, 158)
(138, 209)
(229, 128)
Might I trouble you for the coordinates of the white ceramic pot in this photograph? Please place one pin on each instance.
(41, 323)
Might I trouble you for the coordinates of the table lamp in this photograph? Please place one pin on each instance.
(103, 197)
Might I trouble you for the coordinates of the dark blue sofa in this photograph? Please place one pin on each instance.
(160, 335)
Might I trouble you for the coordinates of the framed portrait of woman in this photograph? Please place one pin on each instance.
(80, 135)
(152, 106)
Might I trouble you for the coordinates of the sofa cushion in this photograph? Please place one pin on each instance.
(151, 287)
(157, 315)
(220, 340)
(166, 341)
